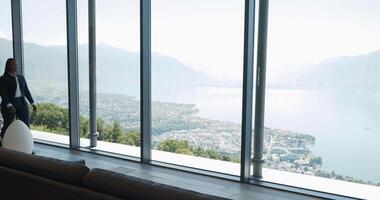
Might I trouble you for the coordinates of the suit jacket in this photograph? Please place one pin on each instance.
(8, 89)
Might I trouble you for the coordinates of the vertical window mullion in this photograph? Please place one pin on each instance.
(17, 34)
(72, 61)
(246, 138)
(145, 80)
(92, 71)
(260, 89)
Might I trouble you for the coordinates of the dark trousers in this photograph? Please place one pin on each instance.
(22, 113)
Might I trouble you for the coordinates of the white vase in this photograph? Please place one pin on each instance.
(18, 137)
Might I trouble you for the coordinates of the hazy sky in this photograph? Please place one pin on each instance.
(208, 34)
(305, 32)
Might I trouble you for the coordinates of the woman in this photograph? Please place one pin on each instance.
(13, 90)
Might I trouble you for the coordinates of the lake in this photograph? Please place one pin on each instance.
(345, 123)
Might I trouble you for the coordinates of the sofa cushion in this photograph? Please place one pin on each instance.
(128, 187)
(59, 170)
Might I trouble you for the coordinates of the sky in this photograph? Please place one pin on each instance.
(302, 33)
(207, 35)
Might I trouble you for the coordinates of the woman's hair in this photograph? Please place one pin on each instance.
(8, 64)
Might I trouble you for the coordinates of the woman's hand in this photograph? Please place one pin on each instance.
(34, 108)
(12, 109)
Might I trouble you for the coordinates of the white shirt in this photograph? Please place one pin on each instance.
(18, 91)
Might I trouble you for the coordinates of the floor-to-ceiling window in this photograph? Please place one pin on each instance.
(45, 66)
(197, 64)
(6, 49)
(322, 95)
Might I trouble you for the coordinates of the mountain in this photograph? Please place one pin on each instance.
(5, 51)
(118, 70)
(345, 73)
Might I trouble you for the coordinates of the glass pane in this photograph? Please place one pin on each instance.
(83, 70)
(118, 75)
(322, 102)
(45, 60)
(6, 48)
(197, 66)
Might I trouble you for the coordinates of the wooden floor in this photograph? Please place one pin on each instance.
(191, 181)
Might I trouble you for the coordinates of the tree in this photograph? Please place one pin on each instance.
(84, 127)
(131, 138)
(51, 117)
(175, 146)
(184, 147)
(116, 132)
(55, 119)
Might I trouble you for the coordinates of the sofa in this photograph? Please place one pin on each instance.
(27, 176)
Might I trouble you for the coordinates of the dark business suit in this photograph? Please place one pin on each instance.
(8, 88)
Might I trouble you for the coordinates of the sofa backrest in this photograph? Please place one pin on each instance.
(59, 170)
(129, 187)
(16, 184)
